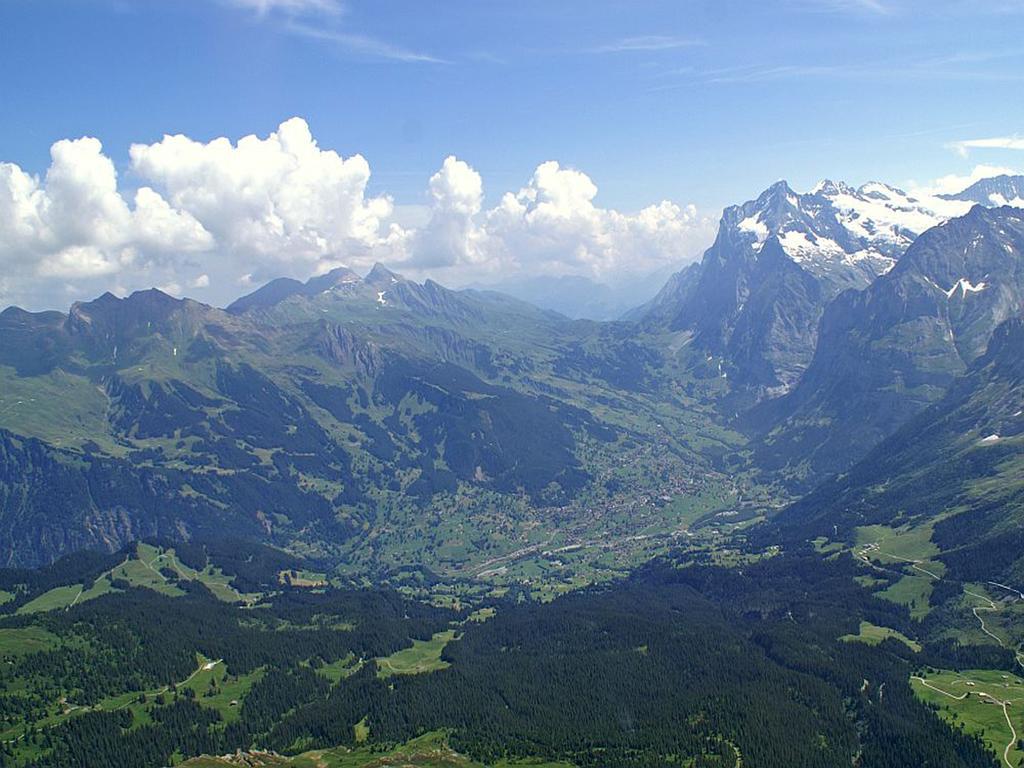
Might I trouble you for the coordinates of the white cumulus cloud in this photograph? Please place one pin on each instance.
(272, 203)
(74, 223)
(550, 226)
(452, 236)
(222, 215)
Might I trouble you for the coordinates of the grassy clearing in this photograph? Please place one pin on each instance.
(303, 579)
(137, 571)
(480, 615)
(61, 408)
(224, 690)
(688, 510)
(424, 656)
(961, 699)
(23, 640)
(823, 545)
(217, 689)
(55, 599)
(141, 570)
(225, 695)
(212, 578)
(872, 634)
(142, 573)
(898, 544)
(868, 581)
(906, 549)
(340, 669)
(428, 751)
(911, 591)
(64, 597)
(361, 731)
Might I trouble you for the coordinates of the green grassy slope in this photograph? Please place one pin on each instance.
(147, 566)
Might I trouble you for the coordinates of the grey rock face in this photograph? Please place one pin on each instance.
(777, 261)
(887, 352)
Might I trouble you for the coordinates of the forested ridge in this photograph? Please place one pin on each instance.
(677, 665)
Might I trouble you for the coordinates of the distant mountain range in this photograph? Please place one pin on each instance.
(327, 416)
(300, 412)
(996, 190)
(580, 297)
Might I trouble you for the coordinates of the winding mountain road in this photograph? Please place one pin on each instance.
(991, 606)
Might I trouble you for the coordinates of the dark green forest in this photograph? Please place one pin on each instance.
(680, 664)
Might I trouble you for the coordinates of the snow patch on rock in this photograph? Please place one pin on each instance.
(965, 286)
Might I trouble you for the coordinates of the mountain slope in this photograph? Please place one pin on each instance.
(325, 416)
(56, 501)
(958, 465)
(887, 352)
(762, 286)
(663, 307)
(283, 288)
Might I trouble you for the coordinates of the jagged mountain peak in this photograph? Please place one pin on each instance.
(995, 190)
(283, 288)
(118, 329)
(382, 276)
(779, 191)
(149, 302)
(877, 189)
(779, 259)
(842, 235)
(829, 187)
(771, 212)
(337, 277)
(873, 223)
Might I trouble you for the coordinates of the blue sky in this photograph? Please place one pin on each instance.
(692, 102)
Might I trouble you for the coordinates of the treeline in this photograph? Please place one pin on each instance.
(83, 566)
(693, 665)
(140, 639)
(252, 565)
(109, 738)
(666, 668)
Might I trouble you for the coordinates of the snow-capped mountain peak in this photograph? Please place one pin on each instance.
(828, 187)
(846, 235)
(759, 292)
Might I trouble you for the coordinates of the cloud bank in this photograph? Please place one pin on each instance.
(75, 223)
(210, 218)
(953, 183)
